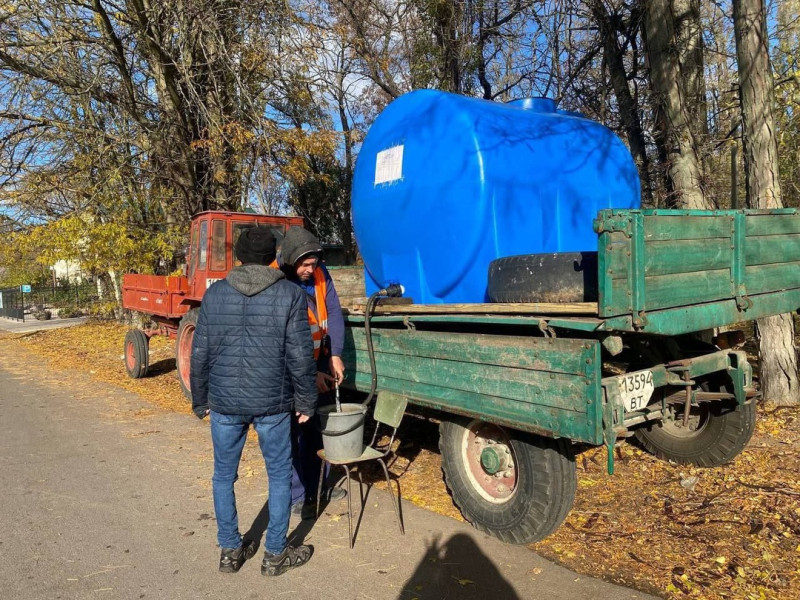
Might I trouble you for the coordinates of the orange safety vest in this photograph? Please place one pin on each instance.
(318, 321)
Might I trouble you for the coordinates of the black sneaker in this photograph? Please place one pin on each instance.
(232, 559)
(292, 557)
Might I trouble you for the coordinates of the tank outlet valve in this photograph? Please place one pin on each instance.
(393, 290)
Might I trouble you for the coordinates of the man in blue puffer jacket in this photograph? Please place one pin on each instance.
(252, 363)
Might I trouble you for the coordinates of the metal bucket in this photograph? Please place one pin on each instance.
(343, 432)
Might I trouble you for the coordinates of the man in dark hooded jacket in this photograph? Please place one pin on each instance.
(252, 363)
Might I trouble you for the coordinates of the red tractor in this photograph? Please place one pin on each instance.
(172, 301)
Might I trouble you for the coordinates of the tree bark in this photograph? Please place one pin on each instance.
(756, 97)
(689, 42)
(674, 134)
(628, 106)
(775, 335)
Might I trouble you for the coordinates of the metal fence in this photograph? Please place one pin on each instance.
(43, 302)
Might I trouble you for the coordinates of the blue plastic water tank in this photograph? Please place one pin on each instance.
(444, 184)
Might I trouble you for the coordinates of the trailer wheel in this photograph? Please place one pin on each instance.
(514, 486)
(136, 353)
(183, 349)
(716, 433)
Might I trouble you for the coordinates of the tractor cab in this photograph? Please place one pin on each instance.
(213, 238)
(172, 303)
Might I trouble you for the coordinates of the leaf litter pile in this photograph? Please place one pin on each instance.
(672, 530)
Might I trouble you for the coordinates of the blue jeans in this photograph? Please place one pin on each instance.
(228, 434)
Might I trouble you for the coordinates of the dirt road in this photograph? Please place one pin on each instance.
(105, 496)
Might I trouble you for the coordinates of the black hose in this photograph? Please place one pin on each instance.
(393, 290)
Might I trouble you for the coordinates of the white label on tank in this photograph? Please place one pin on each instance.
(389, 165)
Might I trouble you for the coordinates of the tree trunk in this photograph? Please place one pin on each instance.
(779, 383)
(674, 134)
(756, 97)
(628, 106)
(689, 41)
(446, 15)
(115, 289)
(345, 213)
(775, 335)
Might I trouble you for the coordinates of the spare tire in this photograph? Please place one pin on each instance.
(555, 277)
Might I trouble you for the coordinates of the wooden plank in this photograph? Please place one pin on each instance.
(611, 244)
(615, 299)
(579, 427)
(675, 256)
(663, 227)
(551, 355)
(686, 319)
(772, 278)
(554, 390)
(522, 308)
(508, 391)
(772, 249)
(665, 291)
(522, 323)
(767, 224)
(357, 305)
(349, 284)
(617, 259)
(687, 288)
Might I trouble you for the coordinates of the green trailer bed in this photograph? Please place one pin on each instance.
(636, 362)
(538, 367)
(674, 272)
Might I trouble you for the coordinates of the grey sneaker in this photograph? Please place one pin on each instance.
(232, 559)
(335, 493)
(290, 558)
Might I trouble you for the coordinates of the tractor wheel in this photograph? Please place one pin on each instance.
(136, 355)
(515, 486)
(183, 349)
(715, 434)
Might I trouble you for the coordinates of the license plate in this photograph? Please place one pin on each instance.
(635, 389)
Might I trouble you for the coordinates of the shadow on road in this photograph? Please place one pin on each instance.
(456, 569)
(296, 537)
(165, 365)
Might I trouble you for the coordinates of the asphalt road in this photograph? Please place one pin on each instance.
(105, 496)
(30, 324)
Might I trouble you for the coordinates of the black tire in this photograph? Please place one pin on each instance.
(136, 353)
(717, 433)
(554, 277)
(544, 483)
(183, 350)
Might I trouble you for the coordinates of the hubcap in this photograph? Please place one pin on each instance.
(673, 424)
(130, 356)
(490, 461)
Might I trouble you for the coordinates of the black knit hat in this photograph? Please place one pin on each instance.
(256, 245)
(299, 243)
